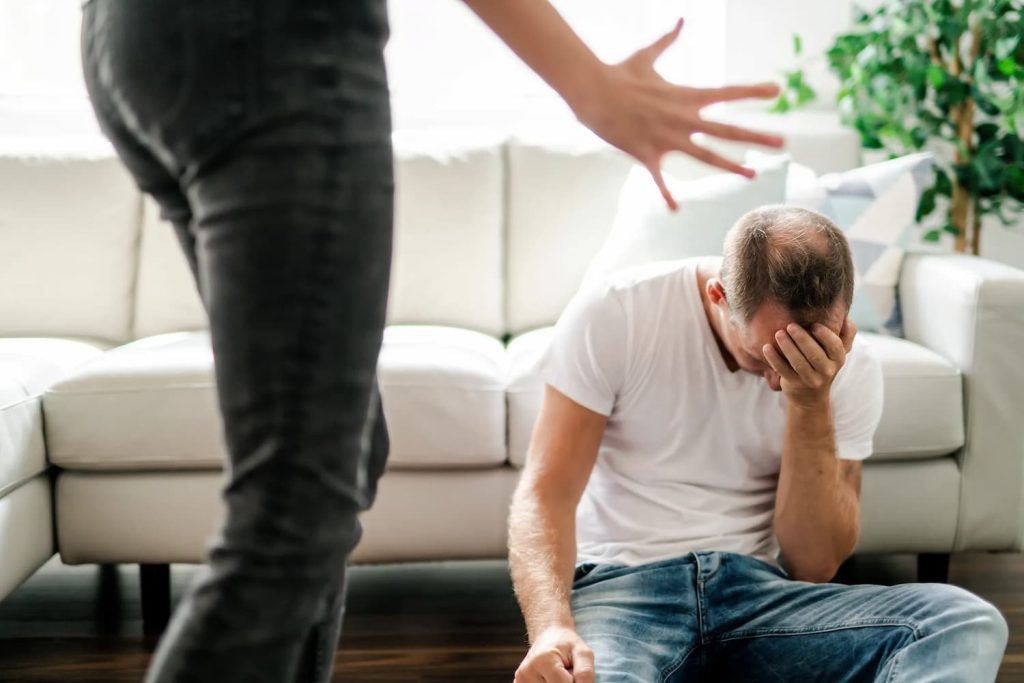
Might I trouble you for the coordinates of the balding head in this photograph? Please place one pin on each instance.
(788, 256)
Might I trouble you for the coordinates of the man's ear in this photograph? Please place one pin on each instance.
(715, 291)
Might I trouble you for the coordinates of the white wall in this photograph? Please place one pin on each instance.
(759, 43)
(1003, 244)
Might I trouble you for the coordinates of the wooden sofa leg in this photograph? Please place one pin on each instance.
(155, 581)
(847, 572)
(933, 567)
(108, 600)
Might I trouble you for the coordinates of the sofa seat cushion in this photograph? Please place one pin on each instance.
(28, 365)
(444, 397)
(152, 404)
(26, 532)
(922, 416)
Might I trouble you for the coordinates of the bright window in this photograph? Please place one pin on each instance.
(445, 66)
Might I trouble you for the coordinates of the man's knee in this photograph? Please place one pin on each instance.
(973, 617)
(986, 624)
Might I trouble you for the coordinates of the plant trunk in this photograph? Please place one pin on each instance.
(975, 228)
(958, 215)
(963, 119)
(962, 200)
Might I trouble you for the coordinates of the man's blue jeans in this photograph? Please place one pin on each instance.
(719, 617)
(263, 130)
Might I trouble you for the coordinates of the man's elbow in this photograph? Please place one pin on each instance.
(819, 572)
(817, 564)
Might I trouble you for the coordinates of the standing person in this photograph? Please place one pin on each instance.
(263, 130)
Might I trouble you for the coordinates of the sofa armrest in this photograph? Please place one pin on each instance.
(971, 311)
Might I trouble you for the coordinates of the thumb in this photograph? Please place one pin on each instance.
(582, 664)
(654, 50)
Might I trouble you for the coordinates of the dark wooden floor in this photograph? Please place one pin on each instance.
(411, 623)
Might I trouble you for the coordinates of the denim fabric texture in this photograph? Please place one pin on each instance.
(717, 616)
(263, 130)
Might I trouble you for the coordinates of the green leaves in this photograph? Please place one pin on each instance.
(943, 185)
(926, 205)
(942, 75)
(1005, 47)
(796, 92)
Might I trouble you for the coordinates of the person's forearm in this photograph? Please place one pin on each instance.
(542, 557)
(538, 34)
(817, 517)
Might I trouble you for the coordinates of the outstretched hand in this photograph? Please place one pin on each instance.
(633, 108)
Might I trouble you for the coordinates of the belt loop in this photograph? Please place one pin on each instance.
(708, 562)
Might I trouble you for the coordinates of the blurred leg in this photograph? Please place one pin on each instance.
(295, 256)
(317, 658)
(286, 223)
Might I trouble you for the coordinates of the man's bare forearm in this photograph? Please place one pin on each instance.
(817, 516)
(542, 556)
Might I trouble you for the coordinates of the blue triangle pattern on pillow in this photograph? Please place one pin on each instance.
(865, 253)
(848, 196)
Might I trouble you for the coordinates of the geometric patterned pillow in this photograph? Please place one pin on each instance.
(875, 206)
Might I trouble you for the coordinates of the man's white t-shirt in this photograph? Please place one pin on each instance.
(691, 452)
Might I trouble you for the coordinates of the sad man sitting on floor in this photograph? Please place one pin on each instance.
(693, 480)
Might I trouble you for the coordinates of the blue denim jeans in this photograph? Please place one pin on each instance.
(718, 616)
(262, 129)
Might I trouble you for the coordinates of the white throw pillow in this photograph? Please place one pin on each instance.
(645, 230)
(875, 206)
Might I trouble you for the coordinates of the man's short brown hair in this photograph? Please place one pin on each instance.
(792, 256)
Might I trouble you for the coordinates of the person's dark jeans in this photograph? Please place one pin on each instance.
(263, 130)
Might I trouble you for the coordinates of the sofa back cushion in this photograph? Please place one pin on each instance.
(68, 242)
(447, 264)
(561, 206)
(449, 227)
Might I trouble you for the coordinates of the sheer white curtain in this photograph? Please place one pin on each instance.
(445, 66)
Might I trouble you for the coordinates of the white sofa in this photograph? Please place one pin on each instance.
(108, 404)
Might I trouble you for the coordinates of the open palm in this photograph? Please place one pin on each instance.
(641, 113)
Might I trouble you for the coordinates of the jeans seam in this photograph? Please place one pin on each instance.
(676, 665)
(239, 32)
(869, 623)
(895, 666)
(896, 658)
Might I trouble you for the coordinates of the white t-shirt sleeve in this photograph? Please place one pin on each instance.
(857, 403)
(587, 356)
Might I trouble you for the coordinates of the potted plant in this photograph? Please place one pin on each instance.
(945, 76)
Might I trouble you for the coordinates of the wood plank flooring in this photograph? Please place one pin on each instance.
(421, 623)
